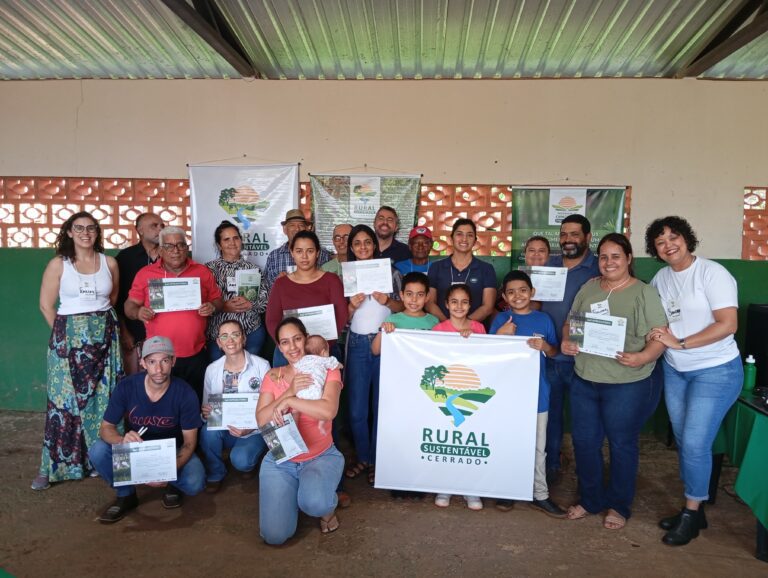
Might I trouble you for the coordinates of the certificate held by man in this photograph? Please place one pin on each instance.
(232, 409)
(602, 335)
(549, 282)
(174, 294)
(144, 462)
(367, 276)
(319, 320)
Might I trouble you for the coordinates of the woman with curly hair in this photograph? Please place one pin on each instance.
(702, 365)
(84, 362)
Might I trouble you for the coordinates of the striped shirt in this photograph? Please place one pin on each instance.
(251, 319)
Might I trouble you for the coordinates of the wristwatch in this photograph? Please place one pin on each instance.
(682, 343)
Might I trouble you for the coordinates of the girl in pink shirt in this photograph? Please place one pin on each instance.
(458, 302)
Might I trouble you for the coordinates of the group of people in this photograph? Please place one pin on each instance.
(104, 329)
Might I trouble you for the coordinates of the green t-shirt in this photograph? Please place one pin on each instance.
(403, 321)
(332, 266)
(641, 306)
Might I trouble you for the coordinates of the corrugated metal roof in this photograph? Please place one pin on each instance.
(369, 39)
(748, 63)
(102, 39)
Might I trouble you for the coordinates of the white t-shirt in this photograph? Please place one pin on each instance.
(699, 290)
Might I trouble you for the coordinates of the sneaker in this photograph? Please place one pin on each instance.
(549, 508)
(474, 503)
(172, 498)
(442, 500)
(93, 474)
(40, 483)
(118, 509)
(505, 505)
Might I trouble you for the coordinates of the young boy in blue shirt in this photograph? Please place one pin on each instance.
(522, 319)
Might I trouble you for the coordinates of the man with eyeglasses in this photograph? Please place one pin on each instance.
(279, 261)
(130, 261)
(386, 224)
(186, 329)
(340, 237)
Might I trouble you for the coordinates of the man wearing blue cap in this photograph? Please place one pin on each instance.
(154, 406)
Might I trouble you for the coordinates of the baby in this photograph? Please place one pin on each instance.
(316, 363)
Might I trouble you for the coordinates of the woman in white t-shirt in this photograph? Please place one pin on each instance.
(702, 366)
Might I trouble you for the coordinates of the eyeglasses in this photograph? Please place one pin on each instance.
(81, 228)
(340, 237)
(235, 335)
(172, 246)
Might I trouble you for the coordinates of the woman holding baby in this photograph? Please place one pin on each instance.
(308, 481)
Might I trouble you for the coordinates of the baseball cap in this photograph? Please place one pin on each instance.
(157, 344)
(294, 215)
(420, 231)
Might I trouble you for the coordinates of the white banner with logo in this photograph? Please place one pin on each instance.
(255, 198)
(456, 415)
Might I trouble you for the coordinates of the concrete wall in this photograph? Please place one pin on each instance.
(685, 146)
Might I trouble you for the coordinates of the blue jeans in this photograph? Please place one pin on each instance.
(244, 454)
(286, 488)
(362, 376)
(615, 411)
(190, 479)
(559, 374)
(253, 343)
(697, 402)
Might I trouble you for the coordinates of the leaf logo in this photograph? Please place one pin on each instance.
(456, 390)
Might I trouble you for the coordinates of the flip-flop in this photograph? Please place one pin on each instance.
(329, 526)
(577, 512)
(355, 470)
(614, 521)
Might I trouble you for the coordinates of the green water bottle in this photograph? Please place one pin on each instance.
(750, 372)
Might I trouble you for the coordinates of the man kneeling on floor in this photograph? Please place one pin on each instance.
(160, 407)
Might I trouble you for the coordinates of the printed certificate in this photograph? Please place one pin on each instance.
(174, 294)
(284, 442)
(248, 282)
(598, 334)
(549, 282)
(144, 462)
(319, 320)
(235, 409)
(367, 276)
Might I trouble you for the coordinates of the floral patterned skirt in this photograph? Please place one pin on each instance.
(84, 366)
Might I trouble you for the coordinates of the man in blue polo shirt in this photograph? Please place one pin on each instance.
(154, 405)
(575, 235)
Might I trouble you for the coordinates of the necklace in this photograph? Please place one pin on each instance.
(619, 286)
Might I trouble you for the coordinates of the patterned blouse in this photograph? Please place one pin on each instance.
(251, 319)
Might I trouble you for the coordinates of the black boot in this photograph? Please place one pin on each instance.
(671, 522)
(686, 529)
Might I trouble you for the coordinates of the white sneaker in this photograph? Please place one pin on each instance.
(474, 503)
(442, 500)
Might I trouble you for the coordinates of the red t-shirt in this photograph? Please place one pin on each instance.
(317, 438)
(186, 329)
(286, 294)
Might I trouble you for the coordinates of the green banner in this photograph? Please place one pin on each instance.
(539, 211)
(354, 199)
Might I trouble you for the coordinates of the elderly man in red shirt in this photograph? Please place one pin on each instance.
(186, 329)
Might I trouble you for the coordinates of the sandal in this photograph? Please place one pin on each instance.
(356, 469)
(372, 474)
(577, 512)
(613, 520)
(329, 526)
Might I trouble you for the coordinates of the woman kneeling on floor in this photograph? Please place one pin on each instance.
(308, 481)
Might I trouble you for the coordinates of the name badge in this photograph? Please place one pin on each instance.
(87, 291)
(672, 309)
(232, 284)
(600, 308)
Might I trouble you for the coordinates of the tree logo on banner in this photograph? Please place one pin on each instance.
(244, 204)
(456, 390)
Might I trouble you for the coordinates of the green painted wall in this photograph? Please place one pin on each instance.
(24, 334)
